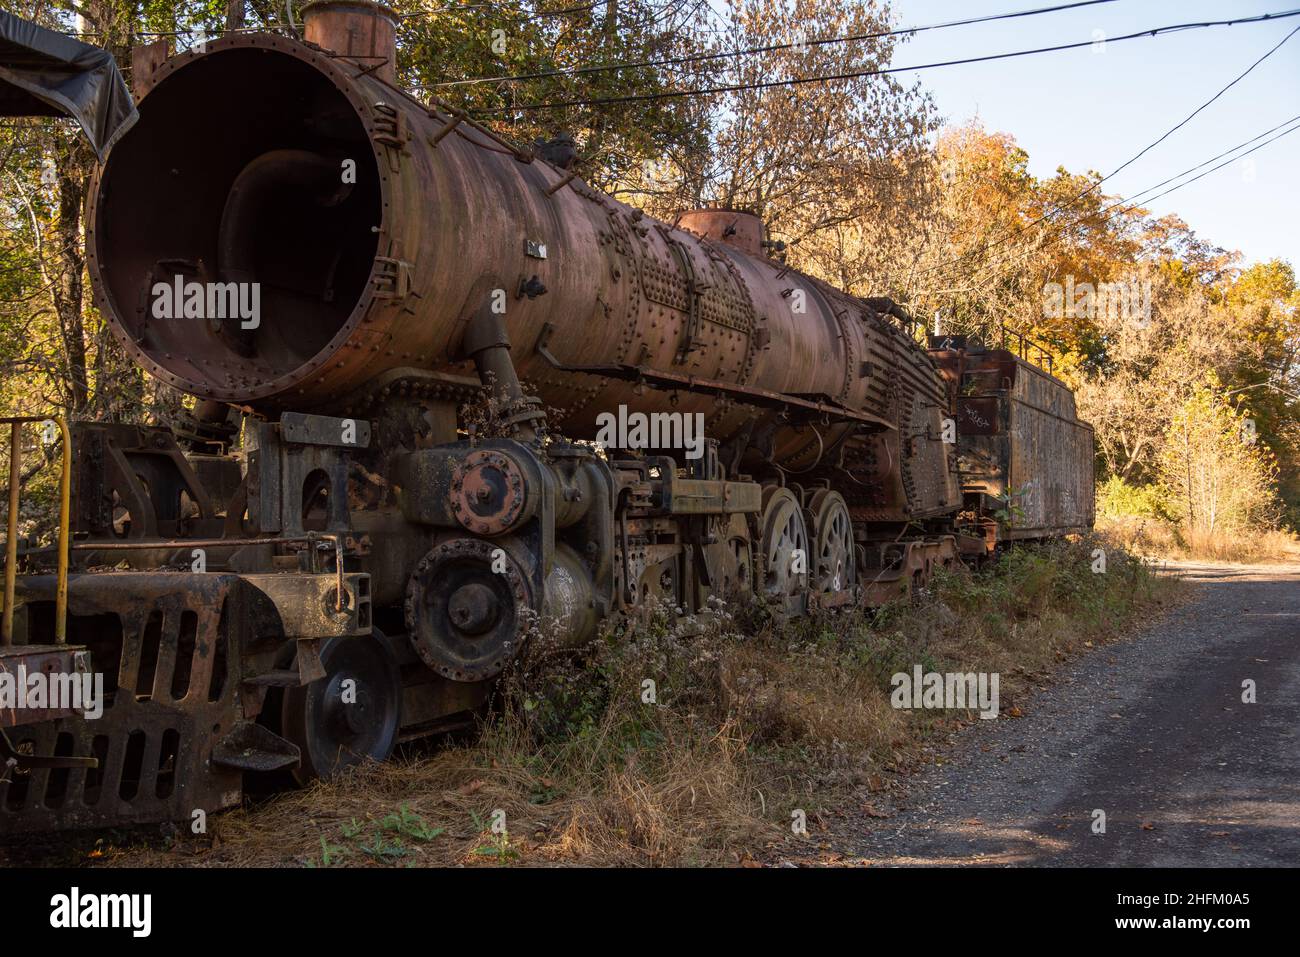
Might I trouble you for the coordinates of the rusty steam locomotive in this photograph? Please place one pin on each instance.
(369, 557)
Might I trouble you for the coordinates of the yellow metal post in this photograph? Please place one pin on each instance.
(65, 528)
(65, 536)
(11, 543)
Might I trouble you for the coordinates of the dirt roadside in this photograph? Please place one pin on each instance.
(1153, 731)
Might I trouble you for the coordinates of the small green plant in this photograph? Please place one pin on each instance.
(386, 843)
(1011, 513)
(330, 854)
(381, 850)
(543, 792)
(498, 846)
(406, 823)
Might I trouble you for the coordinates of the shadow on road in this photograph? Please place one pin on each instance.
(1152, 739)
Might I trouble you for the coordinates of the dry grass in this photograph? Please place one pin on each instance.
(751, 721)
(1155, 538)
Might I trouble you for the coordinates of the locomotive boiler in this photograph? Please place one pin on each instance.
(393, 482)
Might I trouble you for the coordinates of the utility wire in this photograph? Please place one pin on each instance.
(1127, 163)
(856, 74)
(1131, 202)
(539, 15)
(1221, 165)
(772, 48)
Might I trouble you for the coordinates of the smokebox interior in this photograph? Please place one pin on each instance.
(236, 173)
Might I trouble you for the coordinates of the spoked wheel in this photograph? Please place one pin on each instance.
(784, 545)
(348, 716)
(834, 560)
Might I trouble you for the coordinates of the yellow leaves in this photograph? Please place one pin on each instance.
(1217, 473)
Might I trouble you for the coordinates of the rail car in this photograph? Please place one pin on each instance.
(398, 466)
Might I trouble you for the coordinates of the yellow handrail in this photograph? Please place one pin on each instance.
(65, 521)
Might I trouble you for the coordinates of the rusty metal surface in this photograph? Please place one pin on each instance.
(172, 671)
(132, 482)
(146, 58)
(467, 609)
(734, 227)
(17, 662)
(628, 291)
(488, 491)
(894, 570)
(358, 29)
(977, 415)
(1050, 457)
(683, 496)
(1021, 443)
(297, 428)
(251, 747)
(309, 605)
(186, 545)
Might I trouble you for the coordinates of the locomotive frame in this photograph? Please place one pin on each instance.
(417, 490)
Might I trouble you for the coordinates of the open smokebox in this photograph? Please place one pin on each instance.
(235, 228)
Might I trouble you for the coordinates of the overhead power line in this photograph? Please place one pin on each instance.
(539, 15)
(1132, 202)
(856, 74)
(1227, 162)
(771, 48)
(1127, 163)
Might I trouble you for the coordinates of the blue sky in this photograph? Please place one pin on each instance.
(1093, 110)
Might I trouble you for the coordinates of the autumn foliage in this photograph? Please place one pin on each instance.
(1182, 356)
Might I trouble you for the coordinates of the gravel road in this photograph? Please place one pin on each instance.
(1152, 731)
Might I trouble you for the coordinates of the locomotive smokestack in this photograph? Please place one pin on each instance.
(357, 29)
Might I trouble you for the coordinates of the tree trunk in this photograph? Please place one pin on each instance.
(70, 261)
(234, 15)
